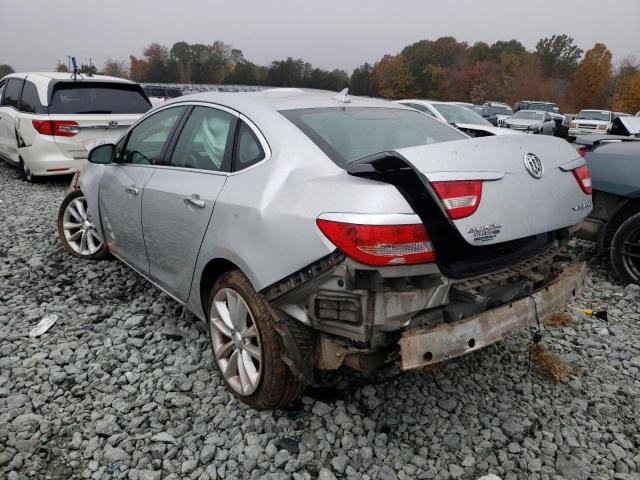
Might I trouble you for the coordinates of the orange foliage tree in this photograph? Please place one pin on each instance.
(592, 78)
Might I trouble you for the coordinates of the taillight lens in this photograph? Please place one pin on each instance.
(582, 151)
(57, 128)
(583, 176)
(380, 245)
(460, 199)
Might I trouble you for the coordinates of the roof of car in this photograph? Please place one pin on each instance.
(67, 76)
(282, 99)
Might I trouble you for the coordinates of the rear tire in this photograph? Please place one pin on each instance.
(77, 231)
(625, 250)
(248, 342)
(26, 172)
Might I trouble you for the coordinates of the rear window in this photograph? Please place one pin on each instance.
(95, 97)
(348, 134)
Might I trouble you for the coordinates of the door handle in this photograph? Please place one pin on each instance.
(194, 201)
(131, 189)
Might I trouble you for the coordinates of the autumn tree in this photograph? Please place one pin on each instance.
(88, 69)
(592, 78)
(480, 52)
(360, 80)
(626, 95)
(5, 70)
(510, 47)
(558, 54)
(137, 69)
(427, 62)
(115, 68)
(475, 83)
(391, 78)
(244, 73)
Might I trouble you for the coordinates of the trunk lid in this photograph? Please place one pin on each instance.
(93, 129)
(514, 204)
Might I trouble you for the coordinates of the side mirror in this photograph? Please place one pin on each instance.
(102, 154)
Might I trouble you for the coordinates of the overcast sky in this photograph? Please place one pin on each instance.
(34, 34)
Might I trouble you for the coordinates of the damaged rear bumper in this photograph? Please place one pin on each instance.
(421, 347)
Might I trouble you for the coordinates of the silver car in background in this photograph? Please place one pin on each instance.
(531, 121)
(311, 230)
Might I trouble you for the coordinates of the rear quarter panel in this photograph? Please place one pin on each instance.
(615, 168)
(264, 220)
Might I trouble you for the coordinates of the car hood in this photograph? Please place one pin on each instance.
(522, 121)
(487, 128)
(590, 122)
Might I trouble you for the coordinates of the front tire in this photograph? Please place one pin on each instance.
(246, 347)
(76, 229)
(625, 250)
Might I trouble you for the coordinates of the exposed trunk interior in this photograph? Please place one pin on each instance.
(454, 256)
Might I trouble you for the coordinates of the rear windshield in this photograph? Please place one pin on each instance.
(348, 134)
(95, 97)
(544, 107)
(501, 110)
(458, 114)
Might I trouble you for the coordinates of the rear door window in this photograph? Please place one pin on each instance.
(30, 102)
(145, 143)
(248, 148)
(205, 140)
(97, 97)
(12, 93)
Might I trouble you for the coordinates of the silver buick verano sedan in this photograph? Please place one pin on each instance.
(312, 230)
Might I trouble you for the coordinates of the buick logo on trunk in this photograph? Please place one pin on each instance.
(113, 124)
(533, 164)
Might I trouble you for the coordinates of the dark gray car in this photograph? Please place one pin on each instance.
(614, 224)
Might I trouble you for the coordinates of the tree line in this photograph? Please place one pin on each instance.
(441, 69)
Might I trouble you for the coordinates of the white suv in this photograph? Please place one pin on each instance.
(590, 121)
(49, 121)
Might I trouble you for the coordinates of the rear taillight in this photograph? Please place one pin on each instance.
(380, 245)
(460, 199)
(582, 151)
(583, 176)
(57, 128)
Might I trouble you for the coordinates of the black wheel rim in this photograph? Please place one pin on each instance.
(630, 255)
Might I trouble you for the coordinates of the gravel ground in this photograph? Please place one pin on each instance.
(123, 387)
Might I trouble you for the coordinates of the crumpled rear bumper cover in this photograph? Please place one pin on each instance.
(421, 347)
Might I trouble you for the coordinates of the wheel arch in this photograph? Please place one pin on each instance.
(623, 210)
(213, 270)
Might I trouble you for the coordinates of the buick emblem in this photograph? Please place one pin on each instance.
(113, 124)
(533, 164)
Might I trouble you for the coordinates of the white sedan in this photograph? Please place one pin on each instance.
(460, 117)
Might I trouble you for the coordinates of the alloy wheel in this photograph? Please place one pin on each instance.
(79, 230)
(236, 341)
